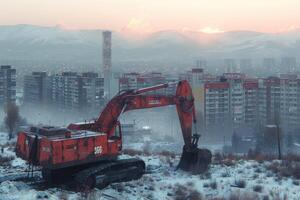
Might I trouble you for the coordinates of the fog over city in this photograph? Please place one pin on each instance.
(154, 100)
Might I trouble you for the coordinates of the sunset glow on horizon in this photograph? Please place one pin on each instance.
(147, 16)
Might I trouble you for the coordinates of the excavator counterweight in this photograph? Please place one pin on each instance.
(89, 151)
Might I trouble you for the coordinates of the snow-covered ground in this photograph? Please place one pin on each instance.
(162, 181)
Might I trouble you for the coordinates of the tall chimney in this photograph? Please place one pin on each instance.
(106, 54)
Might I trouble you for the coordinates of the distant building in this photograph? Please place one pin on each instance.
(245, 63)
(201, 64)
(68, 91)
(289, 63)
(289, 103)
(91, 89)
(35, 88)
(133, 81)
(7, 84)
(269, 100)
(230, 65)
(269, 64)
(250, 87)
(216, 104)
(237, 97)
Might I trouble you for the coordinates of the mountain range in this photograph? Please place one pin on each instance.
(56, 44)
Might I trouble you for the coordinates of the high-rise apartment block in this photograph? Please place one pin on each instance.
(132, 81)
(289, 64)
(7, 84)
(68, 91)
(35, 88)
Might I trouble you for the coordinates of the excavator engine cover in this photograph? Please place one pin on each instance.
(194, 160)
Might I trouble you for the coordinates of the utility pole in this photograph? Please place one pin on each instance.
(278, 141)
(278, 135)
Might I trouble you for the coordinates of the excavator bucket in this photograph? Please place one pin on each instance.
(195, 160)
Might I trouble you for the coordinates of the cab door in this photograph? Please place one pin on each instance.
(115, 141)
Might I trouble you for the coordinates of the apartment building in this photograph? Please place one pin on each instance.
(134, 81)
(7, 84)
(216, 104)
(68, 91)
(35, 89)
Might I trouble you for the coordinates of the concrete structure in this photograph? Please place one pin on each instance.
(106, 57)
(237, 98)
(129, 81)
(91, 91)
(201, 64)
(289, 103)
(269, 64)
(250, 87)
(71, 91)
(245, 63)
(7, 85)
(35, 88)
(230, 65)
(216, 105)
(289, 64)
(269, 100)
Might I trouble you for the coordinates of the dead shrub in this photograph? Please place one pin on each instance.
(132, 152)
(168, 154)
(285, 169)
(217, 159)
(266, 197)
(292, 157)
(255, 176)
(296, 182)
(228, 162)
(225, 174)
(259, 157)
(257, 188)
(206, 175)
(5, 160)
(194, 195)
(213, 185)
(182, 192)
(296, 171)
(243, 196)
(240, 183)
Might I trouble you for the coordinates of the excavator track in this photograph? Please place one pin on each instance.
(103, 174)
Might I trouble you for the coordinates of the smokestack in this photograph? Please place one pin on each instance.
(106, 54)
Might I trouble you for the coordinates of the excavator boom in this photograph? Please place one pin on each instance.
(183, 99)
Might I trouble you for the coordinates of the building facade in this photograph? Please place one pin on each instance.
(35, 88)
(7, 84)
(68, 91)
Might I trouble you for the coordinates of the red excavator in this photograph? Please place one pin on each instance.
(88, 152)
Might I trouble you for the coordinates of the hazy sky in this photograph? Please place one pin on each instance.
(145, 16)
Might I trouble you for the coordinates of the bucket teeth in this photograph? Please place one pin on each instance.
(195, 160)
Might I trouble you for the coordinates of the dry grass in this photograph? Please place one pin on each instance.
(213, 185)
(133, 152)
(285, 169)
(182, 192)
(240, 183)
(257, 188)
(243, 196)
(5, 160)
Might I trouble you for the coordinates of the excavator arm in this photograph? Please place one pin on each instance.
(129, 100)
(133, 100)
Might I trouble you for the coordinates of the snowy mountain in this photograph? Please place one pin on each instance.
(28, 42)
